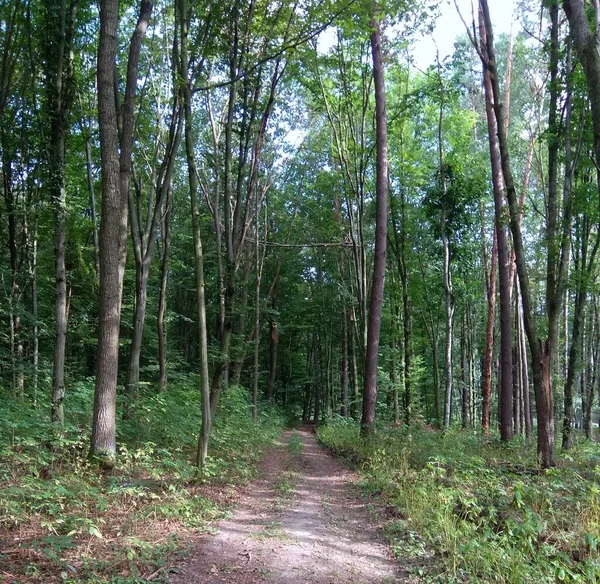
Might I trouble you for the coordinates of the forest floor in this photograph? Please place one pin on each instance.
(300, 522)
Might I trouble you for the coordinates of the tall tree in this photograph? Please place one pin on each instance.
(60, 24)
(116, 152)
(541, 353)
(379, 265)
(506, 365)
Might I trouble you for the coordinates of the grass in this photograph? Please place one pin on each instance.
(63, 521)
(462, 508)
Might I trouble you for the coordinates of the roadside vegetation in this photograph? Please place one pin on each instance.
(462, 507)
(62, 521)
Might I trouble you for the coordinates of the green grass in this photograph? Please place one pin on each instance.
(295, 444)
(462, 508)
(60, 516)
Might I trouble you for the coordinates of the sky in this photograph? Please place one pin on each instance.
(449, 26)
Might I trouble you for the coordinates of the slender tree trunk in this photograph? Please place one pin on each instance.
(162, 300)
(344, 364)
(92, 191)
(354, 405)
(488, 359)
(540, 354)
(463, 375)
(143, 235)
(60, 93)
(34, 311)
(594, 377)
(273, 337)
(183, 14)
(371, 358)
(506, 366)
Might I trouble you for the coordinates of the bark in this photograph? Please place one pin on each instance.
(540, 352)
(344, 365)
(59, 69)
(506, 365)
(34, 311)
(92, 191)
(448, 292)
(488, 359)
(183, 15)
(376, 304)
(594, 377)
(273, 337)
(143, 235)
(162, 299)
(116, 169)
(463, 375)
(354, 404)
(584, 266)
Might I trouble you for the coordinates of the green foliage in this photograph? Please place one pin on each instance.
(97, 527)
(476, 510)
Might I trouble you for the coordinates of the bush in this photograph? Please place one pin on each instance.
(477, 510)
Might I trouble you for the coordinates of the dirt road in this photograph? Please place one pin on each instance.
(299, 523)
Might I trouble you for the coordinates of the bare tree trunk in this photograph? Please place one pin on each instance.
(344, 364)
(377, 288)
(143, 235)
(92, 192)
(116, 170)
(34, 310)
(488, 358)
(59, 18)
(540, 354)
(354, 405)
(463, 375)
(162, 300)
(594, 377)
(506, 366)
(183, 14)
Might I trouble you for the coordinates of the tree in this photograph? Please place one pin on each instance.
(501, 245)
(381, 193)
(60, 24)
(116, 151)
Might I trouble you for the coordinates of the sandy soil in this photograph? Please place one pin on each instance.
(299, 523)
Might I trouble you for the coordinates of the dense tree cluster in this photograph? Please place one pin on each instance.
(211, 187)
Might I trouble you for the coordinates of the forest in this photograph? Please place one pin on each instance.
(223, 219)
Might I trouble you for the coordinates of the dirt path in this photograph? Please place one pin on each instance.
(299, 523)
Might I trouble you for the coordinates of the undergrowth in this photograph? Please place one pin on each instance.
(61, 520)
(463, 508)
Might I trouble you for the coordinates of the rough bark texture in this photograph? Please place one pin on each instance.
(116, 167)
(371, 358)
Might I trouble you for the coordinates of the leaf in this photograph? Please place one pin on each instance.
(95, 532)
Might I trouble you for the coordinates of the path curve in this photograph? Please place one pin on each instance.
(299, 523)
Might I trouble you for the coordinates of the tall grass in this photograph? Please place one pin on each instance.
(463, 508)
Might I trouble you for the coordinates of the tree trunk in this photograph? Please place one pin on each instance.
(344, 364)
(162, 300)
(143, 235)
(183, 14)
(116, 170)
(377, 288)
(506, 365)
(488, 358)
(59, 71)
(540, 355)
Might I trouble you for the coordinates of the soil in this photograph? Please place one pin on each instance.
(300, 522)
